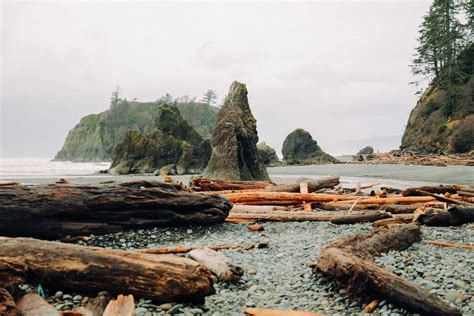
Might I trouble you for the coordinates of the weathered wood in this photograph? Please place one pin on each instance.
(442, 189)
(449, 244)
(397, 219)
(360, 217)
(55, 211)
(217, 263)
(313, 185)
(241, 208)
(162, 251)
(283, 198)
(32, 304)
(277, 216)
(349, 261)
(392, 208)
(208, 184)
(89, 270)
(7, 304)
(442, 198)
(389, 200)
(122, 306)
(372, 306)
(273, 312)
(453, 216)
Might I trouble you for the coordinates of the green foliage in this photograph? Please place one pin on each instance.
(368, 150)
(430, 107)
(442, 128)
(210, 97)
(463, 138)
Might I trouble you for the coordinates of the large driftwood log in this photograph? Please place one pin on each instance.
(349, 261)
(313, 185)
(88, 270)
(55, 211)
(7, 304)
(453, 216)
(441, 189)
(360, 217)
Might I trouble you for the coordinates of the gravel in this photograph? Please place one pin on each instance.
(279, 276)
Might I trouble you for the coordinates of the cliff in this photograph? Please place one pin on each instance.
(174, 143)
(95, 136)
(440, 123)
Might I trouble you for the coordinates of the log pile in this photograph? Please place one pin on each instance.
(420, 159)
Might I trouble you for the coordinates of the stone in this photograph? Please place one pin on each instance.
(166, 306)
(234, 141)
(173, 144)
(268, 155)
(299, 147)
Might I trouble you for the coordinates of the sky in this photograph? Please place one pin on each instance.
(340, 70)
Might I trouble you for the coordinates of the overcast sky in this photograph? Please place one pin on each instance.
(337, 69)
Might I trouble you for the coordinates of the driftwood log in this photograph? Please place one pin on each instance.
(441, 189)
(7, 304)
(360, 217)
(55, 211)
(313, 185)
(217, 263)
(349, 260)
(453, 216)
(208, 184)
(88, 270)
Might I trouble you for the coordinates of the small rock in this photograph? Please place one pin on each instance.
(166, 306)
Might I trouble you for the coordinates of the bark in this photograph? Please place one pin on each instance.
(313, 185)
(7, 304)
(442, 189)
(453, 216)
(349, 261)
(89, 270)
(390, 200)
(208, 184)
(270, 198)
(360, 217)
(55, 211)
(278, 216)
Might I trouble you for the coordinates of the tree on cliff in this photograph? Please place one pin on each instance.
(442, 37)
(210, 97)
(115, 96)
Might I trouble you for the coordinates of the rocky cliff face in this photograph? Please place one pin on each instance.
(234, 141)
(436, 125)
(94, 138)
(268, 155)
(299, 147)
(173, 143)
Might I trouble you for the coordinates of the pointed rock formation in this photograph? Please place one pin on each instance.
(299, 147)
(173, 143)
(234, 141)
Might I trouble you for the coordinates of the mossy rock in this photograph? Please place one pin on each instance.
(299, 147)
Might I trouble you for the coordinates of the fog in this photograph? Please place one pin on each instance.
(337, 69)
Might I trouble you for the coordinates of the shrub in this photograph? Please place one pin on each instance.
(463, 138)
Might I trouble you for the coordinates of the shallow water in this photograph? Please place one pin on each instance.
(42, 171)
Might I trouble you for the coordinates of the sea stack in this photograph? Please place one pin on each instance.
(174, 144)
(299, 148)
(234, 141)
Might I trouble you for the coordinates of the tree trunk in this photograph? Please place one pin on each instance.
(282, 198)
(282, 216)
(89, 270)
(349, 261)
(55, 211)
(360, 217)
(313, 185)
(453, 216)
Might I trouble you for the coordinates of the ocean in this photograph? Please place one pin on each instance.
(34, 171)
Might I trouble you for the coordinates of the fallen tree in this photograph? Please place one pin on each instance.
(453, 216)
(55, 211)
(441, 189)
(282, 216)
(349, 261)
(283, 198)
(90, 270)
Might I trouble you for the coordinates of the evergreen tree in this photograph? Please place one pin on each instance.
(210, 97)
